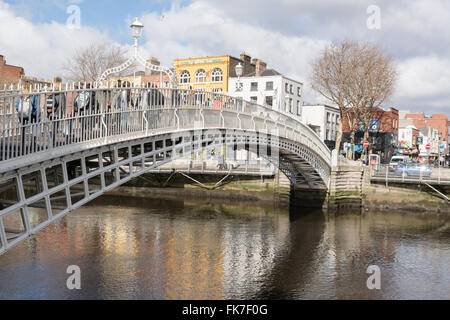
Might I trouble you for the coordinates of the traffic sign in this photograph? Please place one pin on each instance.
(366, 143)
(428, 147)
(442, 146)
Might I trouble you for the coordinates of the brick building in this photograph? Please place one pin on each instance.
(9, 74)
(437, 121)
(383, 133)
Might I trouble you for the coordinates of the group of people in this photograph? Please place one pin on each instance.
(63, 108)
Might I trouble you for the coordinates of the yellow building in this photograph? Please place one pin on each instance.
(211, 73)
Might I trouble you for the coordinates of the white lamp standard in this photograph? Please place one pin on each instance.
(239, 70)
(136, 29)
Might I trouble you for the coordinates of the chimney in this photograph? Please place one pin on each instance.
(246, 58)
(260, 66)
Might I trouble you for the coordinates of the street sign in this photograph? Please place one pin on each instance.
(366, 143)
(442, 147)
(428, 147)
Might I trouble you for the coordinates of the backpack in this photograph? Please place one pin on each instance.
(25, 108)
(82, 100)
(50, 104)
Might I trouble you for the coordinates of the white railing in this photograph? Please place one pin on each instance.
(410, 174)
(114, 112)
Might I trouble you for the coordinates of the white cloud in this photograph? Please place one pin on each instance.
(424, 82)
(41, 49)
(201, 29)
(287, 34)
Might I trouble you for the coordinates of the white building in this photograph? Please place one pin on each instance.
(324, 120)
(270, 88)
(432, 137)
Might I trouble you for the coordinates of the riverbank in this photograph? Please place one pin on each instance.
(415, 199)
(375, 198)
(350, 188)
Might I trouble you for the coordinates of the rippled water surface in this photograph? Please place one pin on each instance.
(134, 248)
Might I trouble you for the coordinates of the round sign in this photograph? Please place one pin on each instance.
(366, 143)
(428, 147)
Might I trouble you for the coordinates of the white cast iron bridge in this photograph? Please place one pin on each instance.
(61, 159)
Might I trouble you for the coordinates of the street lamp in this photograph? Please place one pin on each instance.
(136, 29)
(239, 70)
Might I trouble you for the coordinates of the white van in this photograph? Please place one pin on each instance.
(395, 160)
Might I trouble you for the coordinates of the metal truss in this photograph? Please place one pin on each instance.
(61, 162)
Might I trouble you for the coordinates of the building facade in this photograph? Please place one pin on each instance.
(10, 74)
(440, 122)
(324, 120)
(409, 139)
(432, 137)
(210, 73)
(383, 133)
(269, 88)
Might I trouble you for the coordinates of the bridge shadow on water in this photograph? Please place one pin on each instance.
(292, 274)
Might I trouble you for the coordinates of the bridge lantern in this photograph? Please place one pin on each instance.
(136, 28)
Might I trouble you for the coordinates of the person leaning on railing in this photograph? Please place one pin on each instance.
(28, 110)
(56, 110)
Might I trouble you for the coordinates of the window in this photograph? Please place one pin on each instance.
(254, 99)
(254, 86)
(185, 77)
(269, 101)
(291, 105)
(200, 76)
(269, 86)
(217, 75)
(299, 108)
(217, 90)
(299, 91)
(287, 88)
(291, 89)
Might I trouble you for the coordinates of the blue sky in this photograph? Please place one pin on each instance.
(109, 16)
(287, 34)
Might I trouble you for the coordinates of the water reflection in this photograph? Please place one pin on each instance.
(136, 248)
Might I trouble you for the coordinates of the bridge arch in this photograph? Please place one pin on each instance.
(128, 143)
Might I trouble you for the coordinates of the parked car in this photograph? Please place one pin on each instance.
(413, 169)
(395, 160)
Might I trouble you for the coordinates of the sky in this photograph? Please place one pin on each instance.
(287, 34)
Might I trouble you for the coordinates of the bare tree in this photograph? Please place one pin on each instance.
(358, 78)
(89, 63)
(329, 77)
(372, 83)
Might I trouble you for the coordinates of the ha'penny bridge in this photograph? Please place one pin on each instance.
(61, 159)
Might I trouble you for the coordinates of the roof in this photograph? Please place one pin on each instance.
(265, 73)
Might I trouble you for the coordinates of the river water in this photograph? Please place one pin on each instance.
(143, 248)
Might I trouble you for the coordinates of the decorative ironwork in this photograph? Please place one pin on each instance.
(117, 137)
(137, 30)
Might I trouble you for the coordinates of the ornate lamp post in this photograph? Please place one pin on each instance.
(136, 29)
(239, 70)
